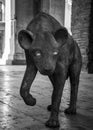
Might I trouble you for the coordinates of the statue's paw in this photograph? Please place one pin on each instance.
(29, 100)
(49, 108)
(70, 111)
(52, 123)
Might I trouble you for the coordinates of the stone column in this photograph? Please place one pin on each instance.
(24, 14)
(57, 10)
(7, 32)
(45, 6)
(68, 12)
(8, 54)
(12, 32)
(2, 33)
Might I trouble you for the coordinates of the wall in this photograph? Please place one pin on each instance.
(80, 26)
(90, 46)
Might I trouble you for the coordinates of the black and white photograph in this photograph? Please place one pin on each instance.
(46, 64)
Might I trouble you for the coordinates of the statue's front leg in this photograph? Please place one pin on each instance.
(29, 76)
(58, 82)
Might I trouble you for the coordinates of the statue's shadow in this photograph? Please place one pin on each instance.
(75, 122)
(67, 122)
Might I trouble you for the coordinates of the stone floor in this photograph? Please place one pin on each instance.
(15, 115)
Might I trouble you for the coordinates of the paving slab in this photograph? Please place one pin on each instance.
(16, 115)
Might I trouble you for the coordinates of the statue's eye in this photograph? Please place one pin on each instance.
(55, 53)
(38, 54)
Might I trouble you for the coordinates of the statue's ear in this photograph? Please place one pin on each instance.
(25, 39)
(61, 35)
